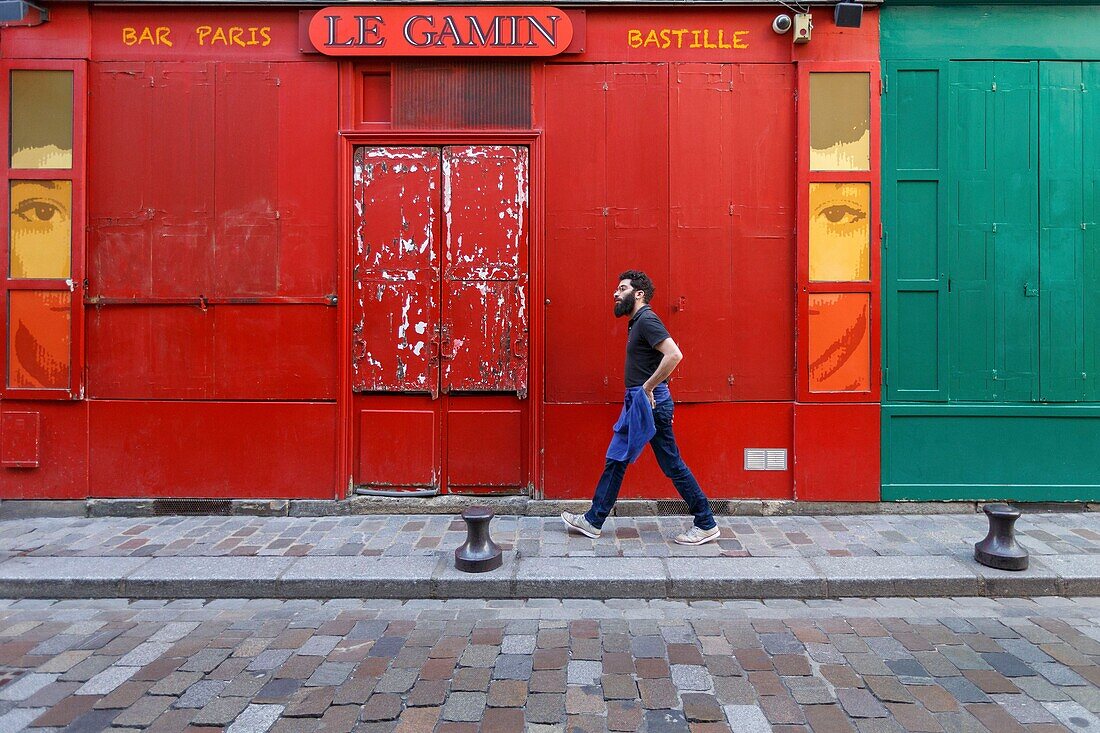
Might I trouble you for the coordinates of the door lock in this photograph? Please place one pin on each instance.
(1031, 291)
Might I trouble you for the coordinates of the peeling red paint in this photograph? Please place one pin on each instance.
(410, 333)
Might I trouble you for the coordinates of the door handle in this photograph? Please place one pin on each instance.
(1031, 291)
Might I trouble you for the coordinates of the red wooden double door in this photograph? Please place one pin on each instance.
(439, 318)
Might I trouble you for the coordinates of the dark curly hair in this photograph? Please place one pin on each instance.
(639, 281)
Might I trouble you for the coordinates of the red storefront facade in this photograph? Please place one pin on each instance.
(300, 275)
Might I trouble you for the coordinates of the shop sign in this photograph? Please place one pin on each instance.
(440, 31)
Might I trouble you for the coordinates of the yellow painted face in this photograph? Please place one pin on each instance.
(840, 232)
(41, 229)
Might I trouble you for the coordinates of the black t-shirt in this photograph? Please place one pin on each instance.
(644, 332)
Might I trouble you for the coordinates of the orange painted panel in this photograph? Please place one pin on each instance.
(39, 338)
(839, 342)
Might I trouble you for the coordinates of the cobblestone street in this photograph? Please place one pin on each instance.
(868, 665)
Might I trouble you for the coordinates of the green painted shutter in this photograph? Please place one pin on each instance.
(1016, 123)
(1066, 303)
(993, 236)
(1090, 262)
(914, 214)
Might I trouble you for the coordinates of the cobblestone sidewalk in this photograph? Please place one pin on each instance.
(1069, 533)
(872, 666)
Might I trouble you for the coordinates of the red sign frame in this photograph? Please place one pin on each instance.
(440, 31)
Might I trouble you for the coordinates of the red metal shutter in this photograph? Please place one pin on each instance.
(395, 305)
(485, 272)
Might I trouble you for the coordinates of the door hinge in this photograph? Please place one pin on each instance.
(886, 376)
(884, 87)
(883, 236)
(949, 283)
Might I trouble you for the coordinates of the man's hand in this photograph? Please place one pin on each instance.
(670, 357)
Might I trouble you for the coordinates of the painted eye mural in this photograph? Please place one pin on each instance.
(41, 228)
(38, 339)
(41, 119)
(839, 343)
(840, 121)
(840, 232)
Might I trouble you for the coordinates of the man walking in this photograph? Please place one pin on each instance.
(651, 355)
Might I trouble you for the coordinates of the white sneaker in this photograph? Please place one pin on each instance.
(696, 536)
(579, 523)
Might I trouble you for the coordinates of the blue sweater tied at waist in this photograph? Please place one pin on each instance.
(635, 427)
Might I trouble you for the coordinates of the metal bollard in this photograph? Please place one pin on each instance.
(479, 554)
(999, 548)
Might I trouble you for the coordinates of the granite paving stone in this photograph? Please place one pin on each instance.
(465, 706)
(747, 719)
(256, 719)
(200, 694)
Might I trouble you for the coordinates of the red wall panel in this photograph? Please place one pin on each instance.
(275, 352)
(245, 177)
(150, 167)
(398, 448)
(307, 179)
(837, 449)
(150, 352)
(578, 287)
(62, 472)
(763, 315)
(212, 450)
(704, 146)
(66, 35)
(485, 450)
(712, 439)
(268, 352)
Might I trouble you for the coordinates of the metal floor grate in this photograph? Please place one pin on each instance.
(165, 507)
(679, 507)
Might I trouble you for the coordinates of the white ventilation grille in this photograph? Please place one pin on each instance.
(765, 459)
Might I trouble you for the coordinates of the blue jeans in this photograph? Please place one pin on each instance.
(668, 458)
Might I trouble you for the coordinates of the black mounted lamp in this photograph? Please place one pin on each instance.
(848, 15)
(21, 12)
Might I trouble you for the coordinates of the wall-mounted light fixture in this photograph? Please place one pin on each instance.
(22, 13)
(848, 15)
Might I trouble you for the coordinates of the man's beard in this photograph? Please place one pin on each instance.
(623, 308)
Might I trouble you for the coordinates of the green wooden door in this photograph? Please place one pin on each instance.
(993, 251)
(1069, 281)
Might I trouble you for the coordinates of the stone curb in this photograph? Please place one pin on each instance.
(594, 578)
(501, 505)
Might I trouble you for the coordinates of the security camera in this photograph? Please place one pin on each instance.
(782, 23)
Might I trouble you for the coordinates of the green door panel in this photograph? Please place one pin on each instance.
(993, 237)
(1090, 259)
(1016, 238)
(970, 236)
(1061, 237)
(915, 286)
